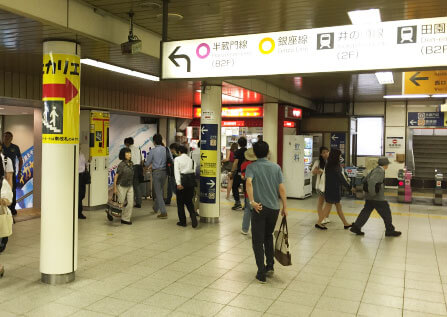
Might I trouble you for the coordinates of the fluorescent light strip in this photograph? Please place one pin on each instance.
(439, 96)
(406, 96)
(365, 16)
(385, 78)
(117, 69)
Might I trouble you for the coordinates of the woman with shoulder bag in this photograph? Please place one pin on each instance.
(185, 178)
(123, 184)
(5, 214)
(318, 170)
(332, 194)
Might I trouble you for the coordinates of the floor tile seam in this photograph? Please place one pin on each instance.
(376, 215)
(364, 290)
(437, 261)
(291, 280)
(405, 271)
(310, 259)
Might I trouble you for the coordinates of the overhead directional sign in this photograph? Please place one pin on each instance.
(426, 119)
(425, 82)
(208, 162)
(378, 46)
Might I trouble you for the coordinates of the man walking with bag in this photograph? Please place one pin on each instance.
(160, 159)
(375, 199)
(264, 185)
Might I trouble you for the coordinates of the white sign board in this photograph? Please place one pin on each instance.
(379, 46)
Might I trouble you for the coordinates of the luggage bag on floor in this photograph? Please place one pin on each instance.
(114, 208)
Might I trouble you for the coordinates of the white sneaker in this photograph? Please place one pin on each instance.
(325, 221)
(243, 232)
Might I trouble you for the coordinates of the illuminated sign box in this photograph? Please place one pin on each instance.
(293, 113)
(233, 123)
(235, 112)
(289, 124)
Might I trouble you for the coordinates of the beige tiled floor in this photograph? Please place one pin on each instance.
(154, 268)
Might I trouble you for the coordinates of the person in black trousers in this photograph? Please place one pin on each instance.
(183, 165)
(239, 158)
(332, 194)
(82, 183)
(172, 187)
(265, 189)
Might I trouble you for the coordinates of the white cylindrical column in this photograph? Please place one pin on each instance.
(60, 153)
(210, 134)
(270, 128)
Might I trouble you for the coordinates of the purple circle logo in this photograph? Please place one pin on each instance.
(208, 50)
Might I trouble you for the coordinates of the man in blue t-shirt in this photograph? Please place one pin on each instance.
(265, 187)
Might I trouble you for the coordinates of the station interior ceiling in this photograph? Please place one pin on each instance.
(21, 38)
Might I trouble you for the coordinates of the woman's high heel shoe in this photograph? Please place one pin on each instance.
(2, 271)
(348, 226)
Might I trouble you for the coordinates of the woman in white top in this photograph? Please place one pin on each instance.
(318, 169)
(5, 201)
(184, 165)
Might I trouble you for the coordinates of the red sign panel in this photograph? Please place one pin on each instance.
(289, 124)
(236, 112)
(233, 123)
(294, 113)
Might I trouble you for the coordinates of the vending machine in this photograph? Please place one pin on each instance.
(297, 165)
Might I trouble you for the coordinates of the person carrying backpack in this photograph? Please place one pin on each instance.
(375, 199)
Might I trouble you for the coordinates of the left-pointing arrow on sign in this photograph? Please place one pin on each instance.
(173, 57)
(203, 156)
(67, 91)
(414, 79)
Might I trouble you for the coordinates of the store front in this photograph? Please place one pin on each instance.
(236, 122)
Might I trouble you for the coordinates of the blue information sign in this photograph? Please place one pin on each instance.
(426, 119)
(208, 163)
(338, 141)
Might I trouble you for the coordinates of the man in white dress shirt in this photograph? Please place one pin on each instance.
(184, 166)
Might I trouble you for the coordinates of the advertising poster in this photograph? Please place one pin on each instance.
(25, 182)
(122, 127)
(60, 95)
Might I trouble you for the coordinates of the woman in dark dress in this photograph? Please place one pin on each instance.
(332, 194)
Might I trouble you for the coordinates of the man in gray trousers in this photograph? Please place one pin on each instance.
(375, 199)
(157, 160)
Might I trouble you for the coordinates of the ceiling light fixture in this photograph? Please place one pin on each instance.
(385, 78)
(415, 96)
(117, 69)
(365, 16)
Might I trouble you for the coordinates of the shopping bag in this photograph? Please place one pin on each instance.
(5, 222)
(282, 254)
(322, 184)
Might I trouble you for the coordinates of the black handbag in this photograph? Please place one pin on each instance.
(86, 177)
(189, 180)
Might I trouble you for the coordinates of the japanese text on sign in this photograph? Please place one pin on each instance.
(60, 94)
(387, 45)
